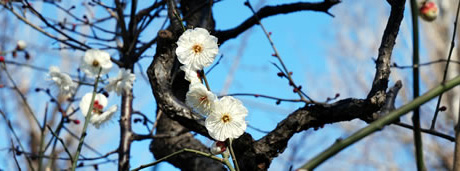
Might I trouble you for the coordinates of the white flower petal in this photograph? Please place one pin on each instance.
(190, 75)
(95, 60)
(200, 99)
(229, 109)
(196, 48)
(98, 120)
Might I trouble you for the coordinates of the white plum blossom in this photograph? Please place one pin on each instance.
(122, 83)
(21, 45)
(227, 119)
(196, 48)
(200, 99)
(98, 115)
(95, 60)
(190, 75)
(66, 86)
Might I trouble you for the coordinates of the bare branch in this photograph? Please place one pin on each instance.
(268, 11)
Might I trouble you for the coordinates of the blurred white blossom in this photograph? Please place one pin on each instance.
(122, 83)
(66, 86)
(21, 45)
(95, 60)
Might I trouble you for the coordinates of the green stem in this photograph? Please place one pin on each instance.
(416, 87)
(228, 164)
(233, 154)
(179, 152)
(85, 126)
(180, 20)
(379, 124)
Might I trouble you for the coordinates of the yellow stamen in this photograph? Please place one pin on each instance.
(197, 48)
(95, 63)
(225, 118)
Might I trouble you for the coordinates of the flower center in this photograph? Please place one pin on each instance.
(225, 118)
(197, 48)
(95, 63)
(203, 99)
(97, 108)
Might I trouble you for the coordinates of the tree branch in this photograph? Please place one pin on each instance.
(126, 137)
(268, 11)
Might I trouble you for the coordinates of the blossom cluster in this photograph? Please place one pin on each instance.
(225, 117)
(94, 64)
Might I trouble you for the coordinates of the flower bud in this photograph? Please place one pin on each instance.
(76, 122)
(2, 59)
(218, 147)
(429, 11)
(21, 45)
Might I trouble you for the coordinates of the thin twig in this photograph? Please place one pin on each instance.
(42, 139)
(444, 77)
(277, 54)
(62, 142)
(394, 65)
(263, 96)
(257, 129)
(179, 152)
(14, 155)
(84, 144)
(31, 166)
(156, 121)
(26, 65)
(215, 64)
(23, 97)
(428, 131)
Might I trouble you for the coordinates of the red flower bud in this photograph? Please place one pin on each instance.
(218, 147)
(76, 121)
(295, 90)
(429, 11)
(2, 59)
